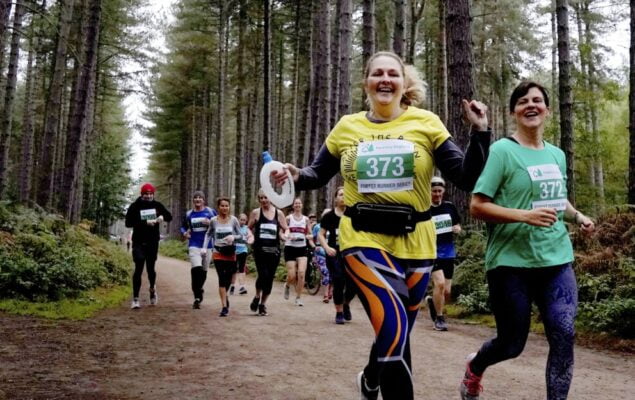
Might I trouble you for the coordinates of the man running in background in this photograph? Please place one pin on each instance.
(145, 216)
(447, 222)
(194, 226)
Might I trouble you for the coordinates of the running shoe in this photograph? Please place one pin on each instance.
(242, 290)
(254, 304)
(440, 324)
(470, 388)
(326, 299)
(135, 304)
(365, 393)
(224, 312)
(154, 297)
(262, 310)
(339, 318)
(197, 304)
(231, 290)
(431, 309)
(298, 302)
(347, 313)
(287, 289)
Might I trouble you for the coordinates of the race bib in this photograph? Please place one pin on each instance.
(268, 231)
(220, 234)
(149, 214)
(198, 224)
(442, 223)
(385, 166)
(548, 187)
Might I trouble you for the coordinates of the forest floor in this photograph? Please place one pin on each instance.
(171, 351)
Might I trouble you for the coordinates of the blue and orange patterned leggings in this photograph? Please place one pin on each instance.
(391, 290)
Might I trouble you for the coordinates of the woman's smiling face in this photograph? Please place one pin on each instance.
(530, 110)
(384, 84)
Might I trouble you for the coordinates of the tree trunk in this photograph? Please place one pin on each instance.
(53, 107)
(564, 90)
(77, 126)
(220, 126)
(631, 109)
(346, 48)
(335, 64)
(368, 36)
(416, 13)
(324, 94)
(266, 51)
(9, 97)
(5, 13)
(28, 129)
(240, 111)
(460, 84)
(554, 71)
(398, 34)
(442, 67)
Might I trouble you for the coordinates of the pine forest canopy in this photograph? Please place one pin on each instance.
(236, 77)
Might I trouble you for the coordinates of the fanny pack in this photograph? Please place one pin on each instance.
(226, 250)
(389, 219)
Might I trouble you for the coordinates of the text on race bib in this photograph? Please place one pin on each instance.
(198, 224)
(548, 187)
(268, 231)
(149, 214)
(385, 166)
(442, 223)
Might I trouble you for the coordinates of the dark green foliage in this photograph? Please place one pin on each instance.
(615, 315)
(43, 258)
(174, 249)
(469, 273)
(604, 266)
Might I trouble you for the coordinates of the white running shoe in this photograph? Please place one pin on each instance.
(135, 304)
(298, 302)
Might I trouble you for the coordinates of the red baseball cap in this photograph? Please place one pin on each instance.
(147, 188)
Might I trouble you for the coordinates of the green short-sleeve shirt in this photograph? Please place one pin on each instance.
(518, 177)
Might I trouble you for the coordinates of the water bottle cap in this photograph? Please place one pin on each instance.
(266, 157)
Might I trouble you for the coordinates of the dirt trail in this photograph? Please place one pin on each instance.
(173, 352)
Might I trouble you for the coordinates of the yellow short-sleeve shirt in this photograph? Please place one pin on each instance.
(425, 131)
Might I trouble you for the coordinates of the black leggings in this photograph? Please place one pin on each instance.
(512, 291)
(143, 254)
(241, 261)
(343, 286)
(266, 264)
(225, 269)
(199, 276)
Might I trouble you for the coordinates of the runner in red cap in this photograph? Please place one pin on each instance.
(145, 216)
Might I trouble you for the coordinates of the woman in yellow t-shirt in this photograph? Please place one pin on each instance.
(387, 157)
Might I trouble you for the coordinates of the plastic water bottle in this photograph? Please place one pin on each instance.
(280, 196)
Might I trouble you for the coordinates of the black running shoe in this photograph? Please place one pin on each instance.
(231, 289)
(262, 310)
(224, 312)
(254, 304)
(197, 304)
(347, 313)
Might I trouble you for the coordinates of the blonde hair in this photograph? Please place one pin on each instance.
(415, 87)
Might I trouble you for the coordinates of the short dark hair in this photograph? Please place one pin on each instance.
(222, 198)
(522, 89)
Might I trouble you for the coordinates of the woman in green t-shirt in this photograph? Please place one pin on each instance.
(522, 195)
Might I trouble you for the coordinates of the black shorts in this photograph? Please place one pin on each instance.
(292, 253)
(445, 264)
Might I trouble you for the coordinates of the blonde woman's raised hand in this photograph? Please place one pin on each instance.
(475, 113)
